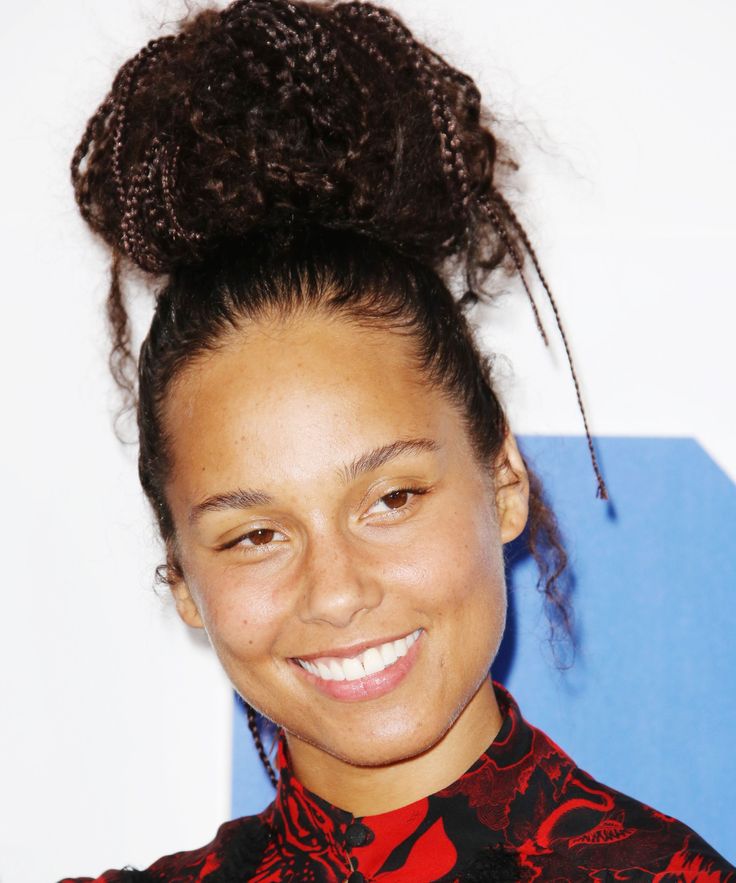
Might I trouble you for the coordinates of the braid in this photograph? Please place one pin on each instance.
(511, 249)
(293, 34)
(373, 52)
(443, 118)
(122, 90)
(326, 50)
(81, 183)
(255, 733)
(121, 360)
(471, 97)
(168, 183)
(602, 491)
(141, 200)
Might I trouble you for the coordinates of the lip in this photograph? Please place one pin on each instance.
(371, 686)
(353, 649)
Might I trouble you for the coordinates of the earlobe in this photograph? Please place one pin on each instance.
(512, 490)
(173, 575)
(185, 606)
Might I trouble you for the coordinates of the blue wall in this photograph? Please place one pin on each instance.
(649, 705)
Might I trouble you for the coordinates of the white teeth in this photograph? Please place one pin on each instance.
(388, 654)
(337, 673)
(400, 647)
(324, 671)
(372, 661)
(369, 662)
(353, 669)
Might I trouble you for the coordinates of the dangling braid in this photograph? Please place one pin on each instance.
(258, 742)
(602, 491)
(511, 249)
(121, 360)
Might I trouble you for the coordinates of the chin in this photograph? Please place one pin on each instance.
(385, 746)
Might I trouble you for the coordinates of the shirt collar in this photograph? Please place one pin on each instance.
(431, 833)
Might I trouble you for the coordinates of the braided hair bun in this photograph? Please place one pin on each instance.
(272, 114)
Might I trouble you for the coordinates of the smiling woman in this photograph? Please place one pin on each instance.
(316, 195)
(369, 554)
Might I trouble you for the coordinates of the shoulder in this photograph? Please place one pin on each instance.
(239, 843)
(582, 824)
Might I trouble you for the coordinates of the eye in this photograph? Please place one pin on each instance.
(396, 500)
(263, 536)
(259, 538)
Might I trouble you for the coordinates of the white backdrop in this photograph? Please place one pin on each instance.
(115, 735)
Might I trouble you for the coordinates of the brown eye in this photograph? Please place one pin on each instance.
(261, 537)
(396, 499)
(401, 498)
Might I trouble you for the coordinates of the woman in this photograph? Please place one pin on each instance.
(331, 470)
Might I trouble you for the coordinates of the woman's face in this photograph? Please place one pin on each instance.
(339, 541)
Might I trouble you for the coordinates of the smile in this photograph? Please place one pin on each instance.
(368, 662)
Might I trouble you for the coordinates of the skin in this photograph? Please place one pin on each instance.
(323, 560)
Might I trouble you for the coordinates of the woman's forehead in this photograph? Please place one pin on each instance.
(304, 356)
(291, 395)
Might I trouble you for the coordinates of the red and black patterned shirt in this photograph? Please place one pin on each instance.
(523, 811)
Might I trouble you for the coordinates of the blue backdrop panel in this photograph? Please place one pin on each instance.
(649, 705)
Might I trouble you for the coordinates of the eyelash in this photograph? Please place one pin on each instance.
(412, 491)
(231, 544)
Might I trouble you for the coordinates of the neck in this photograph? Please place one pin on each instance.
(365, 791)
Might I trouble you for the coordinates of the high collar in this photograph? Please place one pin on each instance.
(425, 839)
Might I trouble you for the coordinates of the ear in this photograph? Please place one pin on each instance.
(185, 604)
(512, 490)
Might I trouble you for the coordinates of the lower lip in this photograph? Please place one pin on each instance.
(371, 686)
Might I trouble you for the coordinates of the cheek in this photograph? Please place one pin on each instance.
(468, 592)
(242, 619)
(458, 563)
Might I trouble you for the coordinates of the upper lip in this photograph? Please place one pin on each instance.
(353, 649)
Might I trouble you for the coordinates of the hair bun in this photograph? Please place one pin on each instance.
(273, 115)
(269, 113)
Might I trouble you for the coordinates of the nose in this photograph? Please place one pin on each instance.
(339, 583)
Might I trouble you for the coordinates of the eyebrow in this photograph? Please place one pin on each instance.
(240, 499)
(246, 499)
(379, 456)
